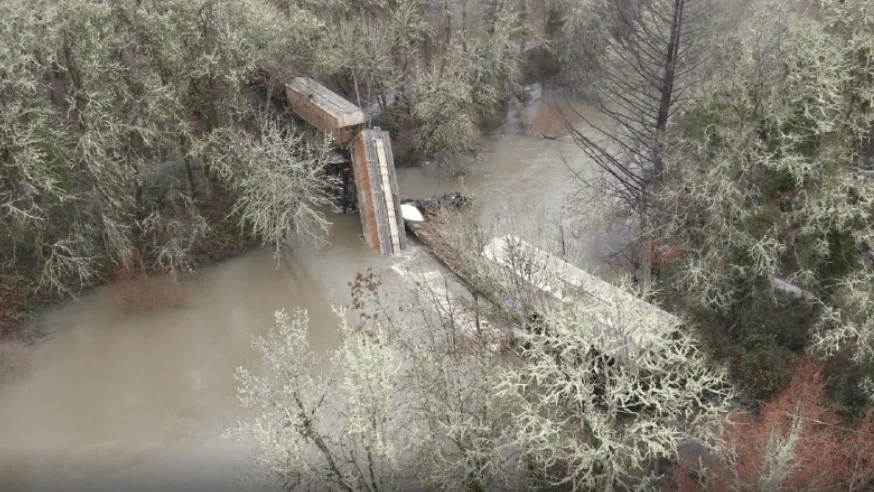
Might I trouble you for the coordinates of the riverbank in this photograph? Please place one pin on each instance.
(530, 114)
(514, 165)
(22, 299)
(111, 393)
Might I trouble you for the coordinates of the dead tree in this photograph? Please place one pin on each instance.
(649, 62)
(648, 65)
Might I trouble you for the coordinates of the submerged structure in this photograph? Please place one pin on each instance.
(627, 322)
(375, 190)
(378, 202)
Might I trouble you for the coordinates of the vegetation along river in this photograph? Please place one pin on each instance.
(113, 397)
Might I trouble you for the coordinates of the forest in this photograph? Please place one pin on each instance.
(141, 138)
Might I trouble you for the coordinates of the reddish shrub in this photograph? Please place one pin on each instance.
(831, 454)
(547, 120)
(11, 304)
(134, 291)
(660, 254)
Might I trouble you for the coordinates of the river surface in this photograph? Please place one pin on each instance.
(119, 401)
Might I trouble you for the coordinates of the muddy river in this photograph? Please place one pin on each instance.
(119, 401)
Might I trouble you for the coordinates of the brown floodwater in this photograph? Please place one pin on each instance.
(113, 400)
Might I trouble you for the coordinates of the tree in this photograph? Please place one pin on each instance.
(410, 406)
(478, 66)
(604, 386)
(441, 68)
(797, 443)
(440, 104)
(593, 421)
(764, 197)
(649, 55)
(109, 112)
(428, 400)
(298, 417)
(646, 69)
(280, 181)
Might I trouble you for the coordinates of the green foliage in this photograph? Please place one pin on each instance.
(776, 180)
(840, 259)
(105, 110)
(451, 62)
(762, 184)
(767, 337)
(846, 377)
(440, 104)
(760, 365)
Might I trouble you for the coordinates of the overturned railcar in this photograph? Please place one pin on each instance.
(324, 109)
(545, 279)
(378, 200)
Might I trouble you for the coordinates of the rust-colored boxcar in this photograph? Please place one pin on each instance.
(324, 109)
(378, 200)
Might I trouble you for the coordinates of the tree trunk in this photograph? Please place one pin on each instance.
(666, 88)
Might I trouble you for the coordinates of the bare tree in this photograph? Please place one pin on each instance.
(645, 72)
